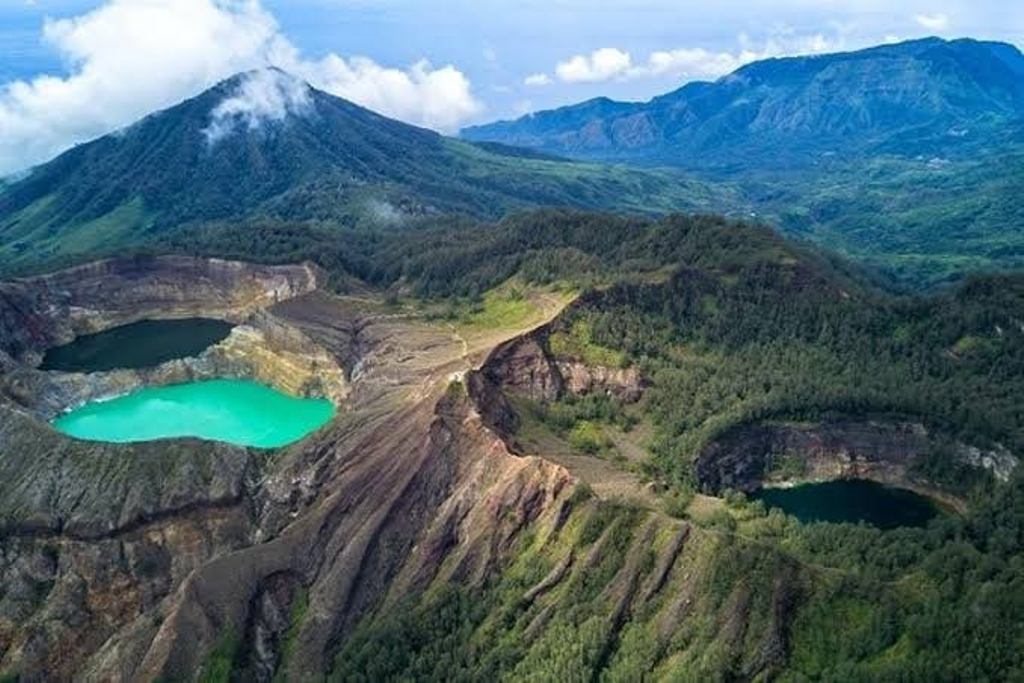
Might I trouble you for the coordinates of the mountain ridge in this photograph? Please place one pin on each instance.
(907, 157)
(785, 103)
(264, 144)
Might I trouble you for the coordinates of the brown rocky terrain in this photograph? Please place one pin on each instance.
(132, 562)
(39, 312)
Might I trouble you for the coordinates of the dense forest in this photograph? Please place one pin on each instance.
(731, 321)
(731, 324)
(934, 604)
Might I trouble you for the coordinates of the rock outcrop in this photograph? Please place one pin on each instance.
(525, 367)
(580, 379)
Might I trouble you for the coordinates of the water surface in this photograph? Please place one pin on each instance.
(851, 501)
(143, 344)
(235, 411)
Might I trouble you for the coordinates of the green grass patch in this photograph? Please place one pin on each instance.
(578, 344)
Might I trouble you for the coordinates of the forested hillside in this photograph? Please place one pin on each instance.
(810, 332)
(910, 98)
(731, 325)
(747, 328)
(318, 159)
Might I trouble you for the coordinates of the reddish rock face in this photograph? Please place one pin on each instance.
(524, 367)
(624, 384)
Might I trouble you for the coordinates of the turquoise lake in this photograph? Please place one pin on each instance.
(234, 411)
(851, 501)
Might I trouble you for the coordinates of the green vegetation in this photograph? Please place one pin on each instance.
(575, 631)
(752, 329)
(344, 174)
(502, 308)
(746, 328)
(732, 325)
(788, 467)
(300, 605)
(921, 221)
(587, 437)
(219, 663)
(906, 156)
(729, 321)
(788, 338)
(577, 343)
(920, 211)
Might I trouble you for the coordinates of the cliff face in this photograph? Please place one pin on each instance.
(40, 312)
(264, 349)
(882, 450)
(525, 367)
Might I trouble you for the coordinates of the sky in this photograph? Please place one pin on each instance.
(71, 70)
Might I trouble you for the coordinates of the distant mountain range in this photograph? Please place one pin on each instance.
(264, 144)
(922, 96)
(908, 157)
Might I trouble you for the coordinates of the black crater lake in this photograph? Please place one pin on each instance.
(139, 345)
(851, 501)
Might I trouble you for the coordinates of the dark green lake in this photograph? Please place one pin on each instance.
(851, 501)
(143, 344)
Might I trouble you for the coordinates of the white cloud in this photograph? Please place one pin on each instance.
(128, 58)
(933, 22)
(537, 80)
(693, 62)
(262, 96)
(439, 98)
(604, 64)
(612, 64)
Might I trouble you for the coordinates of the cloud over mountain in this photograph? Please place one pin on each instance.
(613, 64)
(262, 96)
(127, 58)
